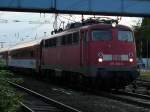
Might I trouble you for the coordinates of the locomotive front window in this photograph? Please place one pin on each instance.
(101, 35)
(126, 36)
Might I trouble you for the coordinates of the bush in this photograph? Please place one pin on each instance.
(2, 65)
(9, 98)
(5, 74)
(145, 75)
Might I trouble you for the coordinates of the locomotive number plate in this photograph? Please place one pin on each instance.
(117, 57)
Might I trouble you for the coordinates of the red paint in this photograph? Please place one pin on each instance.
(84, 53)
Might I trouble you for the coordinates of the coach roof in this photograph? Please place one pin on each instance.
(4, 49)
(25, 44)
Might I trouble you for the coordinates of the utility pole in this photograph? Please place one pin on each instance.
(2, 44)
(56, 22)
(147, 53)
(141, 45)
(44, 34)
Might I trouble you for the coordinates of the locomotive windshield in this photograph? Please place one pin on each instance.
(126, 36)
(101, 35)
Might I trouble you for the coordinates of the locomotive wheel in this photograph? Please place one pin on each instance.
(79, 80)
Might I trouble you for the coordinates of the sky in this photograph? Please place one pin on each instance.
(19, 27)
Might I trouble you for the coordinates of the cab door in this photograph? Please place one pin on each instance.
(84, 48)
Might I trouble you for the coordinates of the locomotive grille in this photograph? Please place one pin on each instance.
(122, 57)
(117, 57)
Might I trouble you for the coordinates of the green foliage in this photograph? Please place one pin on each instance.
(5, 74)
(9, 98)
(2, 64)
(145, 75)
(142, 36)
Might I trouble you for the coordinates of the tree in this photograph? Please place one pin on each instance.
(142, 37)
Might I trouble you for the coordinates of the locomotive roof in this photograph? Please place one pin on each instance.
(64, 32)
(25, 44)
(90, 27)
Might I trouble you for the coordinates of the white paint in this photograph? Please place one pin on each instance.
(107, 57)
(22, 63)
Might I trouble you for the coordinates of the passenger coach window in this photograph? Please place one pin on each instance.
(75, 38)
(125, 36)
(101, 35)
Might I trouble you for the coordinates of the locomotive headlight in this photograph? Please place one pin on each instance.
(100, 60)
(131, 60)
(114, 24)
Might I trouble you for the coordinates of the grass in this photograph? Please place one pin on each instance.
(2, 64)
(145, 75)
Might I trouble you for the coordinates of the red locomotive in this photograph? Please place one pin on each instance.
(96, 54)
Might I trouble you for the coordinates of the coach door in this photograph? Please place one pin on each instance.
(84, 48)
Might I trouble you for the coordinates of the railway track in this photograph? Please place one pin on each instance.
(35, 102)
(129, 98)
(44, 104)
(143, 83)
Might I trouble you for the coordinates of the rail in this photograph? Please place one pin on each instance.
(47, 100)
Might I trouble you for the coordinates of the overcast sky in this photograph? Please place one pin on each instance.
(18, 26)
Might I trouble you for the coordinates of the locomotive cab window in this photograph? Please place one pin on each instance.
(126, 36)
(101, 35)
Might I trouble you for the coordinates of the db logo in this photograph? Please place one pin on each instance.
(100, 54)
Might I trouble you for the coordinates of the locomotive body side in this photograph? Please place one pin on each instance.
(62, 53)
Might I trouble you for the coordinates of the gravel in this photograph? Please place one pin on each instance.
(78, 99)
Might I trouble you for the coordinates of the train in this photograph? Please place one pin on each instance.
(95, 53)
